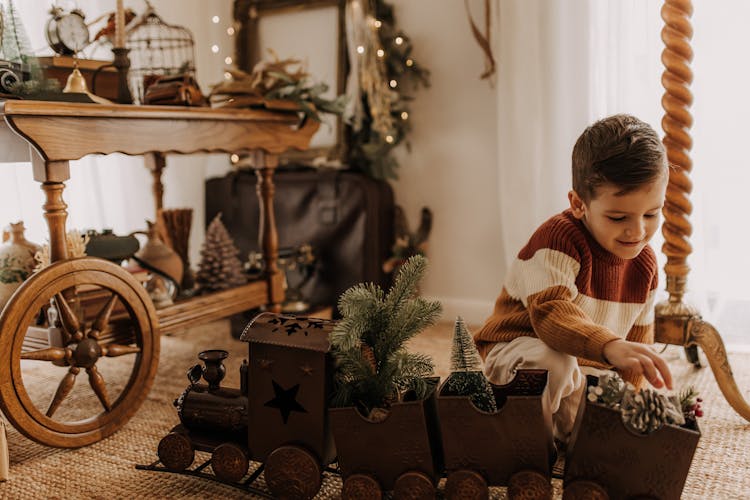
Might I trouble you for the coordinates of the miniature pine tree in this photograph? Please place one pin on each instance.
(219, 268)
(373, 367)
(466, 378)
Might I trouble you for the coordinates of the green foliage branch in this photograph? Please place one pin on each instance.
(373, 367)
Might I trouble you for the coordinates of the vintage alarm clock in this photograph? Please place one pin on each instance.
(66, 31)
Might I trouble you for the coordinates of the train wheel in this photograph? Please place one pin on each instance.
(176, 451)
(108, 334)
(584, 490)
(529, 485)
(229, 462)
(361, 487)
(414, 485)
(466, 484)
(293, 472)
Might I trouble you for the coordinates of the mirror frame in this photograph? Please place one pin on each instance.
(247, 14)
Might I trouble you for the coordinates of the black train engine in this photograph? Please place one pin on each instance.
(277, 417)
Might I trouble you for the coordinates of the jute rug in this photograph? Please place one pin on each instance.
(107, 470)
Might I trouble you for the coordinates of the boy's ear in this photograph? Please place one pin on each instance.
(577, 206)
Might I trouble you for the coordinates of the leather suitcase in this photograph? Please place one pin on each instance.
(347, 217)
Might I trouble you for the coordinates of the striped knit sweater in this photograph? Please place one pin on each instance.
(567, 290)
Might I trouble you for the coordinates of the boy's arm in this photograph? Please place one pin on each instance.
(563, 326)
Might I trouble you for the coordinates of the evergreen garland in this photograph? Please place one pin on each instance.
(373, 367)
(466, 378)
(371, 151)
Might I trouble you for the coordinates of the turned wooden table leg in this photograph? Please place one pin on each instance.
(676, 322)
(52, 175)
(156, 162)
(265, 165)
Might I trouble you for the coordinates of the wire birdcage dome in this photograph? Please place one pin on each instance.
(157, 48)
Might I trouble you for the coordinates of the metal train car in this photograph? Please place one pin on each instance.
(279, 417)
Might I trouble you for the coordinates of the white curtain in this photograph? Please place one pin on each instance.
(563, 65)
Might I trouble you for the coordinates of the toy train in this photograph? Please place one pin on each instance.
(280, 417)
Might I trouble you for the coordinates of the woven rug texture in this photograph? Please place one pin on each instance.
(106, 470)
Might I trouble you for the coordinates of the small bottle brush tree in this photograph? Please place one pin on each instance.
(219, 268)
(466, 378)
(373, 367)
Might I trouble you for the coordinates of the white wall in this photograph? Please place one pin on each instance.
(452, 167)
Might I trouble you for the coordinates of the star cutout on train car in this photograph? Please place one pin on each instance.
(285, 400)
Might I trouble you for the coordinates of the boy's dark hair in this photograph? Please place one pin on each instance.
(620, 150)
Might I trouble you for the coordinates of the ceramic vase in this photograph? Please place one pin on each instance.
(16, 261)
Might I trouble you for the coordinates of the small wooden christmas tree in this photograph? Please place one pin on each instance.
(220, 268)
(466, 378)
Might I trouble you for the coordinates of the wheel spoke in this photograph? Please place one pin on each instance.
(67, 316)
(112, 350)
(66, 384)
(48, 354)
(102, 319)
(100, 387)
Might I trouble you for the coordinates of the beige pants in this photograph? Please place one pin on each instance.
(565, 382)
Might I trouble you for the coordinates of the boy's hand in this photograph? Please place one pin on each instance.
(638, 359)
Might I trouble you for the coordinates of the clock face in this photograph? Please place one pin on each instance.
(72, 32)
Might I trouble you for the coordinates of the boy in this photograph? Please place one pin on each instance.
(582, 289)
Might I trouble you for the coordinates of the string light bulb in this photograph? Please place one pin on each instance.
(389, 139)
(378, 24)
(215, 19)
(393, 84)
(227, 75)
(215, 49)
(409, 63)
(399, 40)
(404, 115)
(230, 31)
(234, 158)
(360, 49)
(381, 52)
(227, 60)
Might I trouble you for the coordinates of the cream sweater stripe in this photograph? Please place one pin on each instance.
(547, 268)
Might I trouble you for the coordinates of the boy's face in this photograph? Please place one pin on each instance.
(622, 223)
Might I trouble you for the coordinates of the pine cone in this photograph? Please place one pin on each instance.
(645, 411)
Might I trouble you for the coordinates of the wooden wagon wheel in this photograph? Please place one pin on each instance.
(72, 416)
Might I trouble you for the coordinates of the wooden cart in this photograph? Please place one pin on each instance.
(124, 326)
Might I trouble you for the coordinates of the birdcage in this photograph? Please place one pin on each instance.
(157, 48)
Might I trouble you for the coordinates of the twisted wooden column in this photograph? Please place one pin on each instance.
(676, 322)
